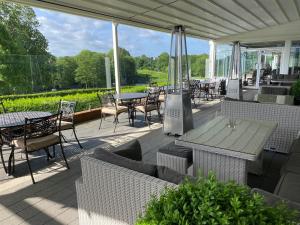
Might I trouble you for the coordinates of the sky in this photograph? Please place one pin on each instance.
(69, 34)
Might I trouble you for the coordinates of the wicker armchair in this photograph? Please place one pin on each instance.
(110, 107)
(40, 133)
(67, 109)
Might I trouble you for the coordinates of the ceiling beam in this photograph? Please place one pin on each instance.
(266, 11)
(170, 5)
(281, 10)
(297, 8)
(172, 16)
(215, 15)
(250, 12)
(232, 13)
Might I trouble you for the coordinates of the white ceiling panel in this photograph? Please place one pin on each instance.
(257, 10)
(222, 20)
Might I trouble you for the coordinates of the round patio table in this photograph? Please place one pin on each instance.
(127, 99)
(16, 119)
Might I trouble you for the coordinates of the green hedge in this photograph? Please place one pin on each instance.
(49, 103)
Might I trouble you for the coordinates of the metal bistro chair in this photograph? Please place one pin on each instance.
(151, 103)
(2, 142)
(110, 107)
(67, 108)
(41, 133)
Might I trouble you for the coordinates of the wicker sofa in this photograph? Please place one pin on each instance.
(287, 117)
(110, 194)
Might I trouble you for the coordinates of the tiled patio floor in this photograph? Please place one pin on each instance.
(52, 200)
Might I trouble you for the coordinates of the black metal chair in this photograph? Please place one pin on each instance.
(67, 108)
(110, 107)
(151, 103)
(40, 134)
(2, 110)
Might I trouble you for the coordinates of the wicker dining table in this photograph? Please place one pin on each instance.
(225, 145)
(11, 126)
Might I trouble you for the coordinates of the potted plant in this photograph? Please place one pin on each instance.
(295, 91)
(207, 201)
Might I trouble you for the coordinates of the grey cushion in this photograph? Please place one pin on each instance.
(176, 150)
(132, 151)
(167, 174)
(293, 164)
(289, 187)
(112, 158)
(273, 200)
(295, 146)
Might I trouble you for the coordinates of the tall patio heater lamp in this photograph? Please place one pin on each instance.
(178, 117)
(234, 86)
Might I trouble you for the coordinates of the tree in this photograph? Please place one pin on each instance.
(198, 65)
(127, 66)
(91, 69)
(65, 72)
(162, 62)
(21, 44)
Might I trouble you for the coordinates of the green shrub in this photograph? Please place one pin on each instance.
(295, 90)
(49, 103)
(208, 201)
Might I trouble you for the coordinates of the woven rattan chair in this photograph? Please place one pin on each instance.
(40, 134)
(151, 103)
(67, 108)
(110, 107)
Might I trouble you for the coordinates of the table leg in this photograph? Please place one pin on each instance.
(225, 168)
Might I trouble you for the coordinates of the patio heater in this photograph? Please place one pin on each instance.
(178, 117)
(234, 86)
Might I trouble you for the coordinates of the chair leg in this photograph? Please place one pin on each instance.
(100, 121)
(11, 158)
(53, 150)
(63, 153)
(77, 138)
(2, 159)
(159, 115)
(146, 119)
(64, 138)
(29, 167)
(116, 121)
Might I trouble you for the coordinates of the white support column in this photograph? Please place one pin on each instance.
(116, 56)
(258, 68)
(285, 57)
(212, 59)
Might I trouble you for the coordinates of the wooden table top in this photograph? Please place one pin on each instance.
(245, 140)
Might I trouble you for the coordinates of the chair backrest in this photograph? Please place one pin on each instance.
(107, 99)
(2, 107)
(42, 126)
(67, 109)
(152, 98)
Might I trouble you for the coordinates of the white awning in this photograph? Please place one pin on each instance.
(220, 20)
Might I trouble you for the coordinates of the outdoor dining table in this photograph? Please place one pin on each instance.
(128, 100)
(9, 121)
(224, 145)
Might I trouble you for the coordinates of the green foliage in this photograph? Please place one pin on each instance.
(198, 65)
(295, 90)
(91, 69)
(210, 202)
(20, 37)
(151, 76)
(86, 99)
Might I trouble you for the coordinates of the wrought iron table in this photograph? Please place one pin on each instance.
(9, 122)
(224, 146)
(128, 100)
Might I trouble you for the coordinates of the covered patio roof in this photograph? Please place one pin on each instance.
(219, 20)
